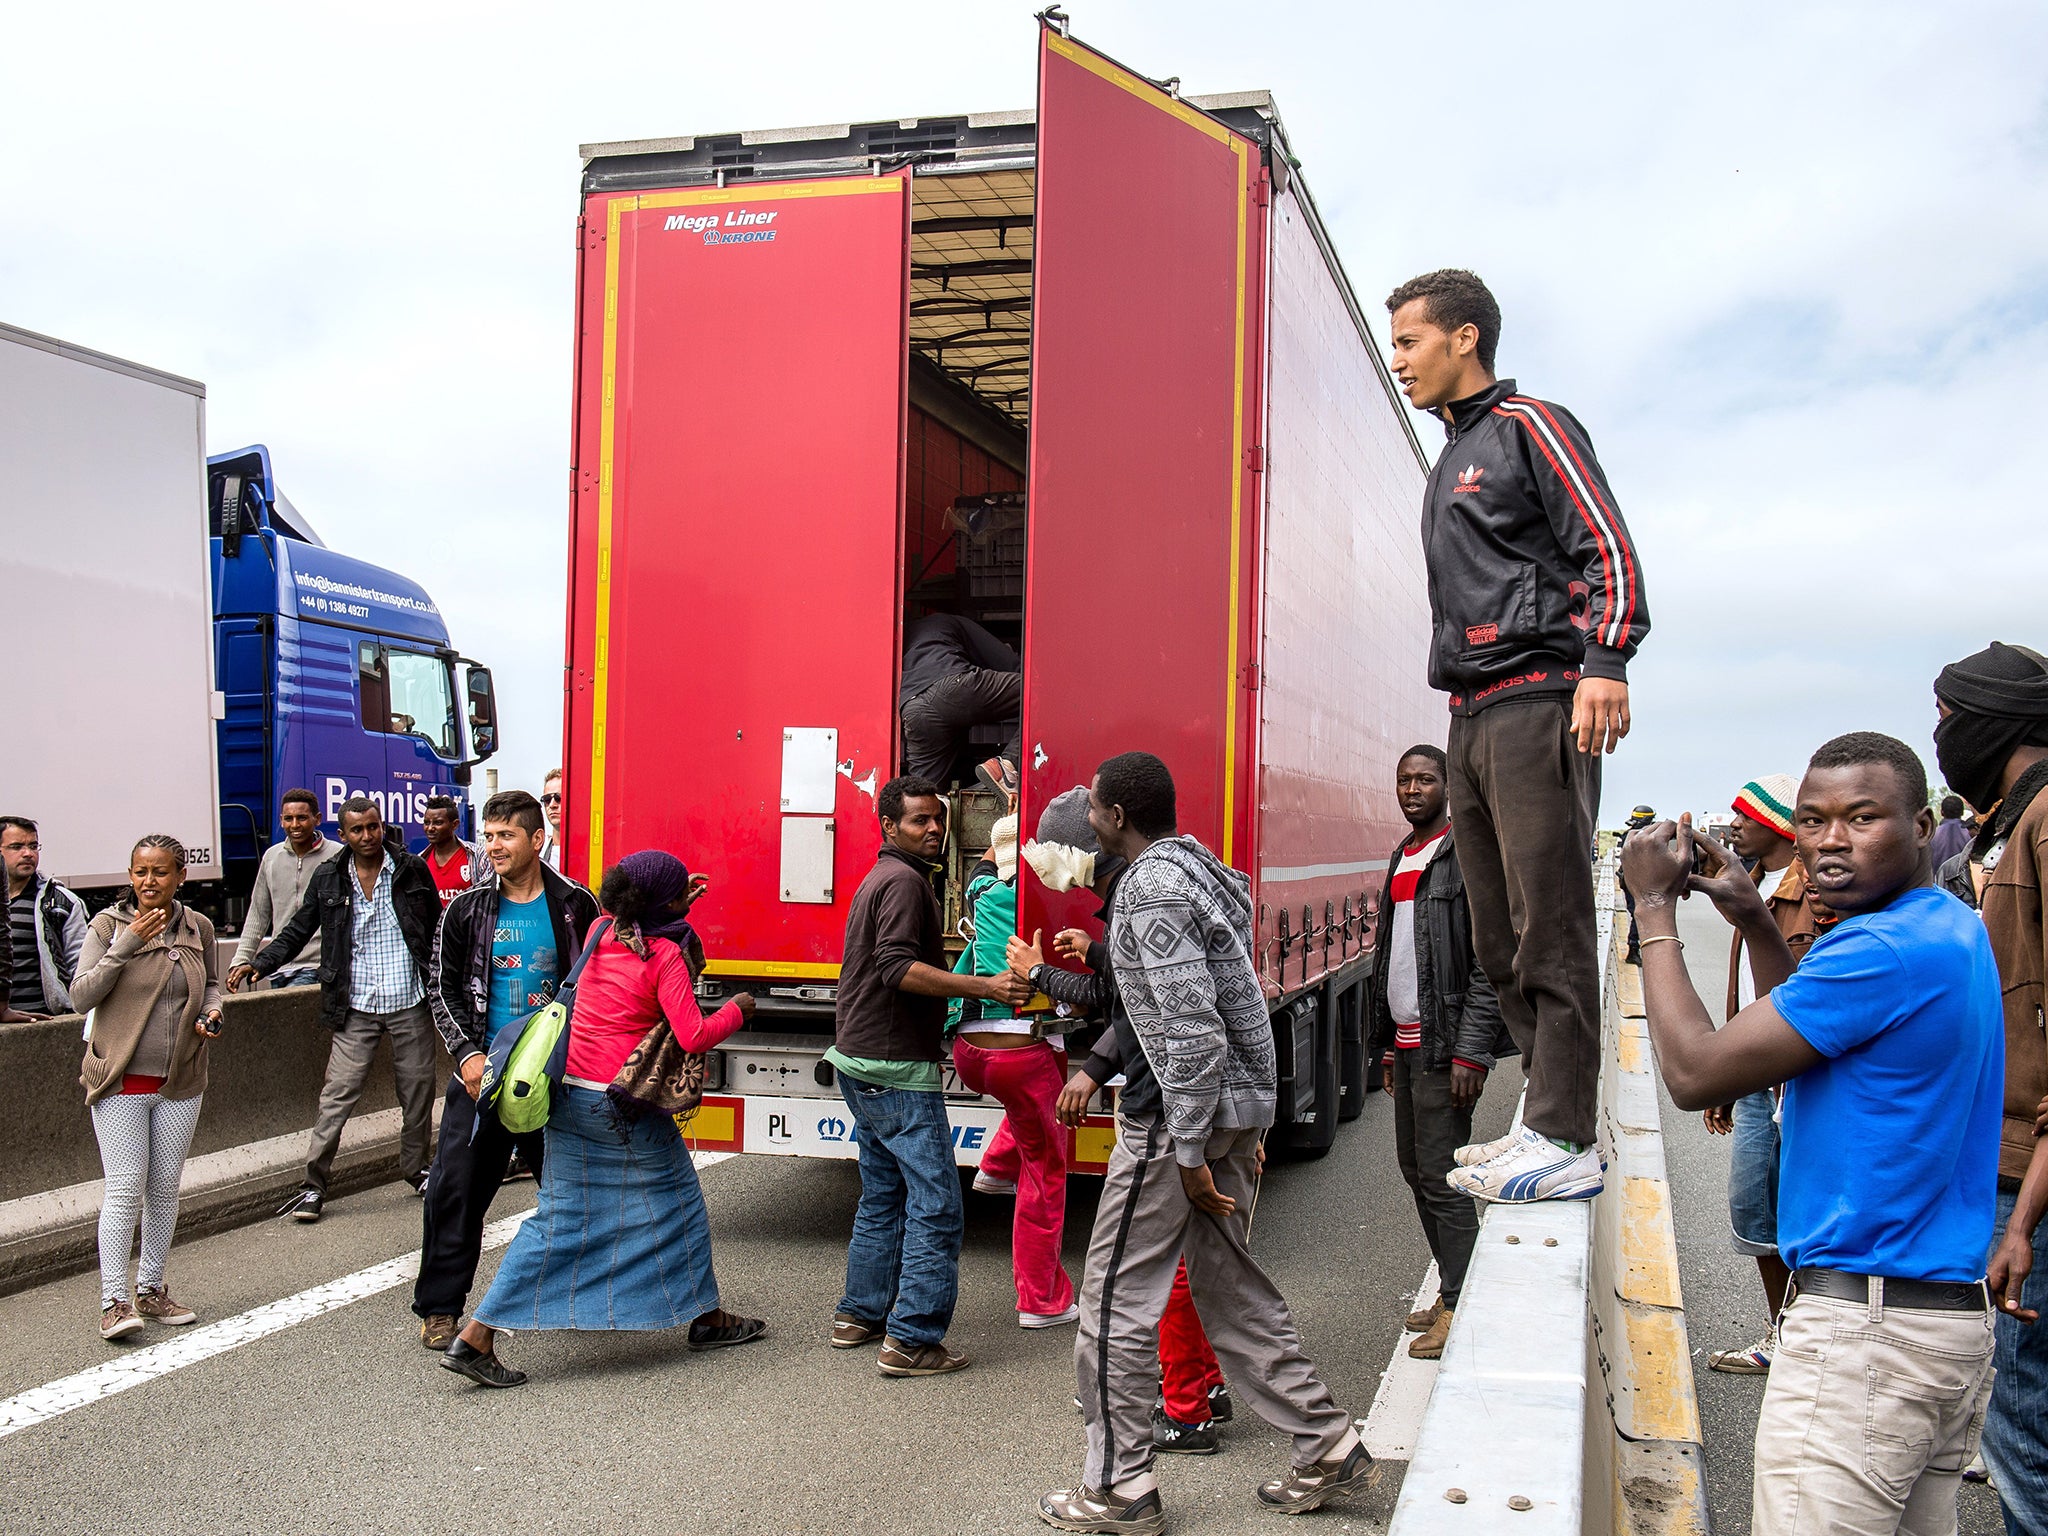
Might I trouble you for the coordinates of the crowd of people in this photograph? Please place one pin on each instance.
(1879, 1061)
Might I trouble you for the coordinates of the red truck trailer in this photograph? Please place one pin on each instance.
(800, 353)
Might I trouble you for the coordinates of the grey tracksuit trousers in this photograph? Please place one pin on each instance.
(1144, 1225)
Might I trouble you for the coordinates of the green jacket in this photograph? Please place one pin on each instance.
(991, 904)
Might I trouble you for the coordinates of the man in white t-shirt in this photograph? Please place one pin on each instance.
(1430, 1007)
(1761, 837)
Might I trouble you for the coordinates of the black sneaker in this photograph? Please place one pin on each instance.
(1219, 1404)
(1177, 1439)
(517, 1169)
(304, 1205)
(481, 1366)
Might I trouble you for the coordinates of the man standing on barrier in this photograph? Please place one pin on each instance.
(1536, 601)
(1889, 1039)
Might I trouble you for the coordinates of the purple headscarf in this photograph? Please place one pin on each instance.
(660, 878)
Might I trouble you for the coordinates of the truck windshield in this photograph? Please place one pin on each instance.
(407, 693)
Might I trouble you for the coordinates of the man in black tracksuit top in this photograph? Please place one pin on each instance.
(1536, 605)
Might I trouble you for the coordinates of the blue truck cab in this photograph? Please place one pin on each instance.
(338, 676)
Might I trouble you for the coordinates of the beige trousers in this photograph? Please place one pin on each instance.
(1871, 1414)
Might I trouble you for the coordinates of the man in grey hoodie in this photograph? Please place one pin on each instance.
(1180, 945)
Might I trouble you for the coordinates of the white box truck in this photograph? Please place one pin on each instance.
(104, 597)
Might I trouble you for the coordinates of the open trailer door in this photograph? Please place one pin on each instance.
(742, 376)
(1143, 500)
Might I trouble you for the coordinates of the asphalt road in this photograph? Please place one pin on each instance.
(1724, 1302)
(343, 1423)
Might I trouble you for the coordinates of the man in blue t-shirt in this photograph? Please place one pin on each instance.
(1890, 1040)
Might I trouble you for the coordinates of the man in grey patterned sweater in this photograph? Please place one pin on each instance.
(1180, 946)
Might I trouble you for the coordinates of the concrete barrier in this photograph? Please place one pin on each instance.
(1565, 1405)
(263, 1084)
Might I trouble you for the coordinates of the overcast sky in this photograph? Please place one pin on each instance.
(1789, 265)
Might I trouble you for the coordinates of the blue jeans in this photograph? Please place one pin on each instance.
(904, 1260)
(1753, 1177)
(2015, 1441)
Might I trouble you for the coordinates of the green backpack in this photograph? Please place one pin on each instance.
(528, 1059)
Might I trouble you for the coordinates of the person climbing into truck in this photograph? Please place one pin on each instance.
(956, 675)
(1010, 1057)
(1536, 602)
(1180, 945)
(903, 1262)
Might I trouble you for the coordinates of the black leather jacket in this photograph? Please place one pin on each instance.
(1460, 1010)
(330, 907)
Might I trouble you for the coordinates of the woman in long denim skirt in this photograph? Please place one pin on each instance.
(619, 1239)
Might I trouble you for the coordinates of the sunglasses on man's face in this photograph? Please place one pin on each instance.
(550, 799)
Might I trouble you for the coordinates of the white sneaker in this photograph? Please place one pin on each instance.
(1049, 1319)
(1486, 1151)
(985, 1185)
(1538, 1169)
(1751, 1360)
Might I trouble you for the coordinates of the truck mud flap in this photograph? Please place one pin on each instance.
(1305, 1037)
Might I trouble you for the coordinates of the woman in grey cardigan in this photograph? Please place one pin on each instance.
(149, 976)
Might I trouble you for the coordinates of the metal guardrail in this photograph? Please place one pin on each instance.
(1565, 1404)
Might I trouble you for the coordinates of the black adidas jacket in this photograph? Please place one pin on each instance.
(1533, 578)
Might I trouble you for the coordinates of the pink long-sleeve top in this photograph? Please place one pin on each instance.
(620, 997)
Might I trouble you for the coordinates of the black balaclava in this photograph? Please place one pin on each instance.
(1998, 700)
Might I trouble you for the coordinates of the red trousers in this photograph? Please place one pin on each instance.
(1186, 1362)
(1030, 1148)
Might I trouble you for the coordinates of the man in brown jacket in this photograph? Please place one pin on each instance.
(1762, 838)
(1992, 746)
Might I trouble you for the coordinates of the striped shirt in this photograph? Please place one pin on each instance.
(1404, 997)
(383, 977)
(28, 967)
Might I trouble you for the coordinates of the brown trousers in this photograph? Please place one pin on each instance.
(1524, 798)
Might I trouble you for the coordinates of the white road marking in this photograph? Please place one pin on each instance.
(1394, 1423)
(40, 1404)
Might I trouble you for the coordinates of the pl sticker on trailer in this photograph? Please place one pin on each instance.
(737, 226)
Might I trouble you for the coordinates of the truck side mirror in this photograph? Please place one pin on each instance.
(483, 713)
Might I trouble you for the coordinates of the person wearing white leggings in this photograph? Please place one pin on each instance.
(143, 1140)
(150, 977)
